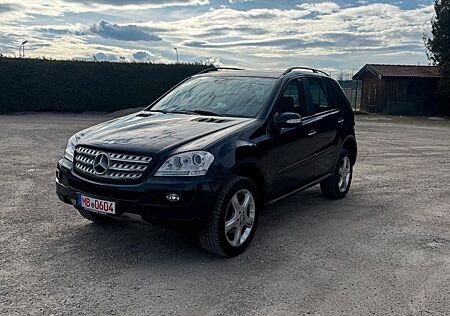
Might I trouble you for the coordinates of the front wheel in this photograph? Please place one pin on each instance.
(234, 219)
(337, 186)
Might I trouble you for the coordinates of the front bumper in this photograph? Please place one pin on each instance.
(198, 195)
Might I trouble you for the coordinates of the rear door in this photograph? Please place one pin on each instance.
(328, 118)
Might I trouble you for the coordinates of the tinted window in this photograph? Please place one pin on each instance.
(337, 97)
(294, 90)
(229, 96)
(318, 95)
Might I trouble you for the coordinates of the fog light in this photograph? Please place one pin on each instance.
(172, 197)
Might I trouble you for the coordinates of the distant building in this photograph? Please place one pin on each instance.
(398, 89)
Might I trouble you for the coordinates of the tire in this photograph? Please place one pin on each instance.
(238, 205)
(332, 188)
(96, 218)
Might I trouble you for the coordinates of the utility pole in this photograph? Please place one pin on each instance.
(23, 48)
(176, 50)
(20, 49)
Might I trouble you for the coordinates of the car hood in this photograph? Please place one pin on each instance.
(141, 133)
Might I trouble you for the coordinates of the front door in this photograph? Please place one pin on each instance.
(292, 155)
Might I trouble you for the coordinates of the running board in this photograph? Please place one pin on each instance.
(306, 186)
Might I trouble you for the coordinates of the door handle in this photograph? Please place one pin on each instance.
(341, 121)
(312, 133)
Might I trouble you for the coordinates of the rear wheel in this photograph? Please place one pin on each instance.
(234, 219)
(337, 186)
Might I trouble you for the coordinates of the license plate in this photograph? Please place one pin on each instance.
(96, 205)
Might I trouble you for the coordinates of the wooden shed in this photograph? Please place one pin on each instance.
(398, 89)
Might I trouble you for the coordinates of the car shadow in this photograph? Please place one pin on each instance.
(130, 245)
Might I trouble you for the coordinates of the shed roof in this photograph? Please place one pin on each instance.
(406, 71)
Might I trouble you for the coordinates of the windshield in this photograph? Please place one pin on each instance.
(227, 96)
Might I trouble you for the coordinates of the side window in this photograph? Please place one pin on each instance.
(293, 98)
(338, 99)
(318, 95)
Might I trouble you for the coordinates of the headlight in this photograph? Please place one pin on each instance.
(193, 163)
(70, 149)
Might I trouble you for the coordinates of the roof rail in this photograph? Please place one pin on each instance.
(305, 68)
(218, 68)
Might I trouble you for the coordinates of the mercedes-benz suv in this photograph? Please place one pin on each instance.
(213, 151)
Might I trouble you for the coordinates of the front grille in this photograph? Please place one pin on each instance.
(122, 167)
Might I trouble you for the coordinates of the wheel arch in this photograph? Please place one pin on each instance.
(251, 170)
(349, 143)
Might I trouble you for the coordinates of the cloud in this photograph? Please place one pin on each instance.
(122, 33)
(226, 30)
(65, 30)
(249, 34)
(209, 61)
(327, 41)
(146, 56)
(333, 27)
(239, 1)
(105, 57)
(149, 3)
(322, 8)
(6, 7)
(29, 10)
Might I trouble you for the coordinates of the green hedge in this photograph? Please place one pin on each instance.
(77, 86)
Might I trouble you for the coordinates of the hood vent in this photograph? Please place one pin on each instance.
(209, 120)
(144, 114)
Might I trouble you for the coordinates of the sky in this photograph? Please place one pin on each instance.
(331, 35)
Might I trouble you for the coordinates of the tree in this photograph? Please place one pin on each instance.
(438, 46)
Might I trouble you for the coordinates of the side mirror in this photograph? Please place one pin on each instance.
(288, 120)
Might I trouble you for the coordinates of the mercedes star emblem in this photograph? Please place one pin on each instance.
(101, 163)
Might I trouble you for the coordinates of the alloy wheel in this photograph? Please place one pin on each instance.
(240, 217)
(344, 174)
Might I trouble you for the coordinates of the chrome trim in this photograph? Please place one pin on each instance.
(121, 166)
(101, 163)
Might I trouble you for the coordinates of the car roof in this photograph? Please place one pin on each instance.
(264, 73)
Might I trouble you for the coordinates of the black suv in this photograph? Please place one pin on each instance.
(213, 151)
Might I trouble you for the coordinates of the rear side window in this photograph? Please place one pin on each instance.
(318, 95)
(337, 96)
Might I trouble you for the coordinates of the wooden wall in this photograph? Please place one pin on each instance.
(371, 93)
(399, 96)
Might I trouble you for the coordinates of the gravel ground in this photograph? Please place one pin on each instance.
(384, 249)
